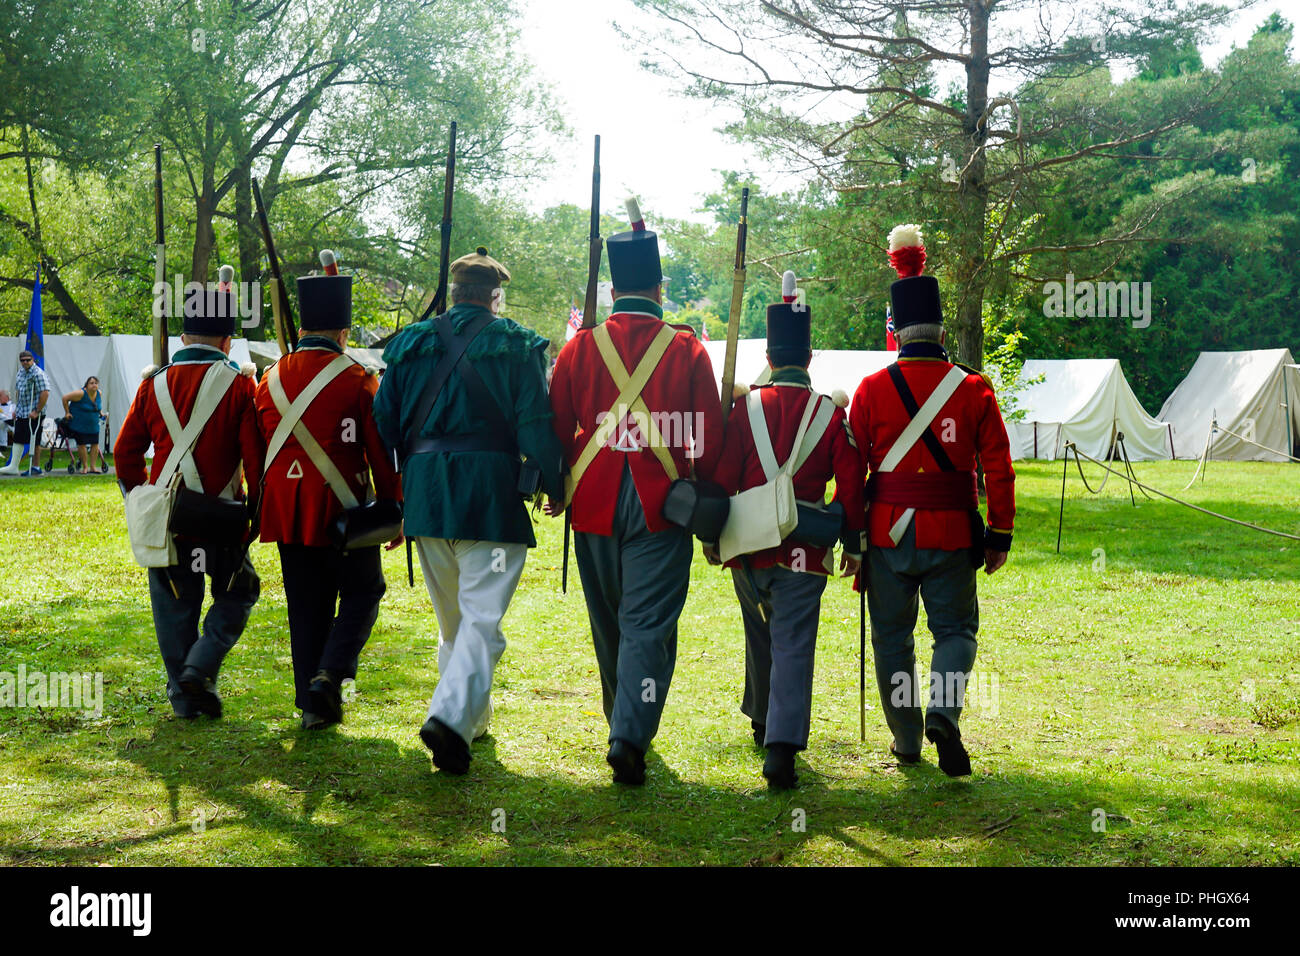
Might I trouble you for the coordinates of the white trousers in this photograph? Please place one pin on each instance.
(471, 584)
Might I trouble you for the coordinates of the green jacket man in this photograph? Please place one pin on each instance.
(461, 482)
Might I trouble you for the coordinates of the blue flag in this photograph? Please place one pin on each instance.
(36, 324)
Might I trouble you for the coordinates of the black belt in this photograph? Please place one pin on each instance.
(484, 441)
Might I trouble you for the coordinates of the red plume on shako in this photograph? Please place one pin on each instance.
(225, 278)
(328, 262)
(788, 291)
(914, 298)
(907, 250)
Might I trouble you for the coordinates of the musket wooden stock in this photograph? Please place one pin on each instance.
(161, 296)
(737, 306)
(282, 313)
(439, 303)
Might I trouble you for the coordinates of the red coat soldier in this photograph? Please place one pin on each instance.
(780, 588)
(227, 447)
(316, 469)
(921, 426)
(635, 408)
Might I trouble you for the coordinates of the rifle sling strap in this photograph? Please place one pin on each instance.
(629, 400)
(454, 346)
(216, 382)
(291, 422)
(918, 429)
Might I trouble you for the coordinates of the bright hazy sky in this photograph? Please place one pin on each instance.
(663, 147)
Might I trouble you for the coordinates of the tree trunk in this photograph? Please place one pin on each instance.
(972, 199)
(205, 237)
(250, 242)
(53, 281)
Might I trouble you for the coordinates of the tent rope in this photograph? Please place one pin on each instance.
(1205, 454)
(1077, 464)
(1229, 431)
(1213, 514)
(1132, 475)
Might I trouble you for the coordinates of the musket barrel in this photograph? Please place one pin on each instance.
(596, 244)
(737, 305)
(160, 344)
(286, 330)
(438, 304)
(448, 195)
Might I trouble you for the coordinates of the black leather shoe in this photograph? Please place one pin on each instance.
(953, 759)
(902, 757)
(202, 692)
(450, 752)
(628, 763)
(312, 721)
(325, 698)
(778, 768)
(760, 732)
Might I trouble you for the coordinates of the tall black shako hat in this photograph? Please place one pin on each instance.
(324, 303)
(914, 298)
(634, 256)
(212, 312)
(789, 323)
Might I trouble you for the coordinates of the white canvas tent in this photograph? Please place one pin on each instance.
(1085, 401)
(844, 369)
(830, 369)
(125, 358)
(1253, 393)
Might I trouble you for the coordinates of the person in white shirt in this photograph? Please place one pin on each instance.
(7, 412)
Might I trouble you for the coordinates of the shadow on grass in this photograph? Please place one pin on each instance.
(280, 795)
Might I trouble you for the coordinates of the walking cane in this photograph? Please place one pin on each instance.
(34, 464)
(862, 657)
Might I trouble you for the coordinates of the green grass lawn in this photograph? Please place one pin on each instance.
(1162, 688)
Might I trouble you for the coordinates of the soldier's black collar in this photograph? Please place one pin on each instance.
(923, 350)
(319, 342)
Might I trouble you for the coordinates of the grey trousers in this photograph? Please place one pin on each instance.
(779, 653)
(946, 583)
(635, 584)
(176, 620)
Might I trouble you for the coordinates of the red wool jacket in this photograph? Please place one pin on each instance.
(681, 390)
(230, 437)
(834, 457)
(299, 509)
(969, 423)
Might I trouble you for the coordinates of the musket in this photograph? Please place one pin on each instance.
(737, 306)
(160, 351)
(439, 303)
(595, 248)
(286, 332)
(596, 244)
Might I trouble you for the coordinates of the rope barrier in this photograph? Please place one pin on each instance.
(1229, 431)
(1132, 475)
(1205, 455)
(1070, 446)
(1079, 466)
